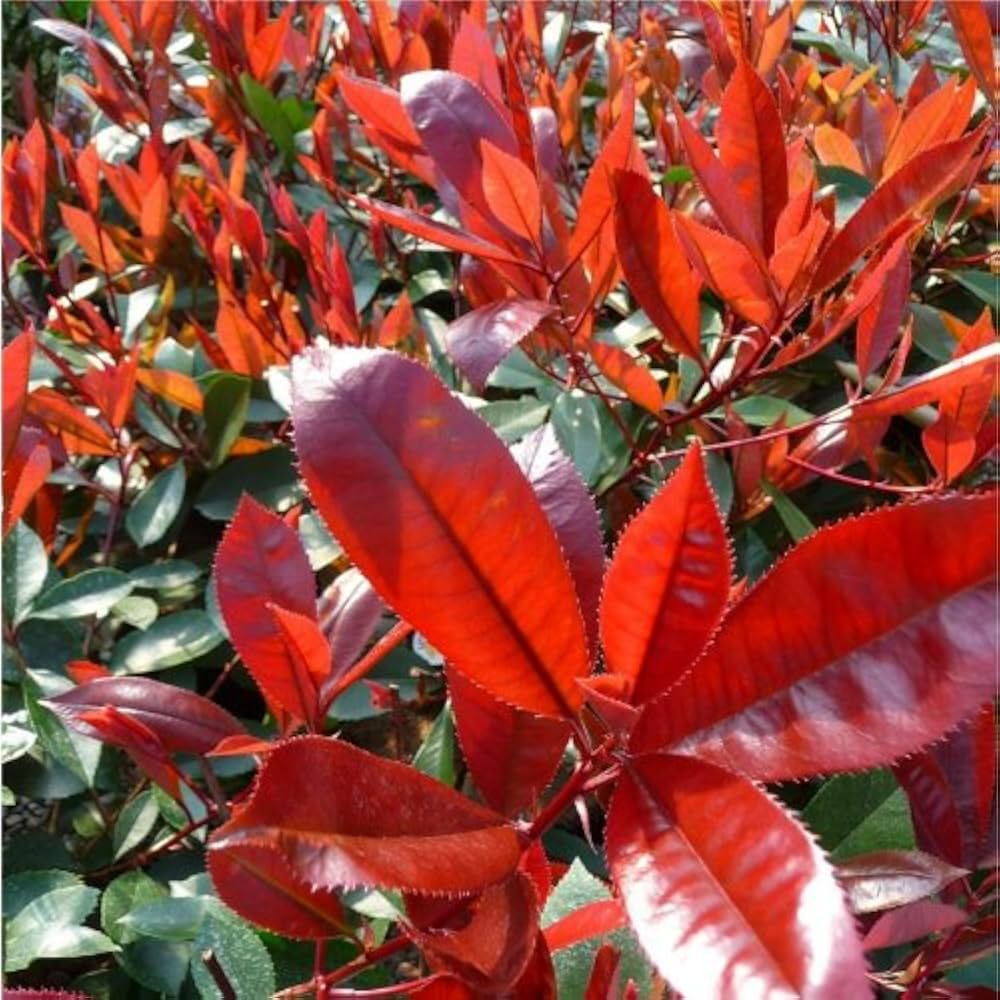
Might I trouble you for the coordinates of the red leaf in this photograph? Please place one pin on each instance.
(887, 879)
(792, 262)
(474, 57)
(729, 268)
(16, 365)
(24, 474)
(622, 370)
(175, 387)
(183, 721)
(596, 919)
(667, 584)
(261, 562)
(378, 823)
(828, 665)
(752, 148)
(926, 916)
(570, 509)
(81, 434)
(728, 895)
(478, 341)
(489, 941)
(511, 754)
(604, 982)
(308, 654)
(433, 510)
(970, 20)
(880, 321)
(910, 188)
(436, 232)
(654, 264)
(512, 193)
(92, 239)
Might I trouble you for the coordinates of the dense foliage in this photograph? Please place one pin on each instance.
(497, 499)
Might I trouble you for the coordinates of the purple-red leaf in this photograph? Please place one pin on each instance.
(667, 584)
(184, 722)
(349, 610)
(654, 264)
(478, 341)
(869, 640)
(727, 893)
(261, 562)
(908, 923)
(570, 509)
(887, 879)
(335, 817)
(433, 510)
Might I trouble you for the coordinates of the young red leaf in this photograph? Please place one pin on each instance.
(752, 148)
(879, 323)
(908, 190)
(887, 879)
(827, 665)
(184, 722)
(970, 20)
(570, 509)
(308, 654)
(729, 268)
(511, 192)
(793, 260)
(654, 264)
(603, 916)
(260, 562)
(81, 434)
(511, 754)
(92, 239)
(478, 341)
(728, 895)
(433, 510)
(622, 370)
(175, 387)
(377, 823)
(667, 584)
(488, 942)
(912, 922)
(604, 982)
(16, 366)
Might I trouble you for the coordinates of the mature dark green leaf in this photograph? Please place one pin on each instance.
(156, 508)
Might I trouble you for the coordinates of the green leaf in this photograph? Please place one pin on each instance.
(157, 506)
(92, 592)
(238, 952)
(796, 523)
(578, 428)
(139, 612)
(513, 418)
(166, 575)
(763, 411)
(25, 566)
(267, 111)
(850, 189)
(930, 334)
(160, 966)
(22, 888)
(169, 641)
(15, 739)
(170, 919)
(573, 965)
(832, 44)
(124, 894)
(679, 173)
(980, 283)
(852, 811)
(436, 755)
(78, 753)
(226, 403)
(269, 477)
(134, 824)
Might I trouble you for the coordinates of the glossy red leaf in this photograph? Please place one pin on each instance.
(727, 893)
(81, 434)
(478, 341)
(433, 510)
(752, 148)
(887, 879)
(828, 665)
(970, 20)
(261, 563)
(793, 260)
(654, 264)
(176, 387)
(910, 188)
(879, 323)
(253, 880)
(185, 722)
(349, 611)
(307, 653)
(603, 916)
(729, 268)
(488, 942)
(604, 982)
(377, 823)
(453, 117)
(571, 511)
(511, 191)
(622, 370)
(512, 754)
(667, 584)
(24, 474)
(16, 365)
(92, 239)
(911, 922)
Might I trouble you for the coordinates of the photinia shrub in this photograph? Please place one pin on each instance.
(498, 500)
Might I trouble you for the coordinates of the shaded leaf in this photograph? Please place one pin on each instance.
(155, 509)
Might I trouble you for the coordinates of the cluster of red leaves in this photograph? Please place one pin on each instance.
(681, 690)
